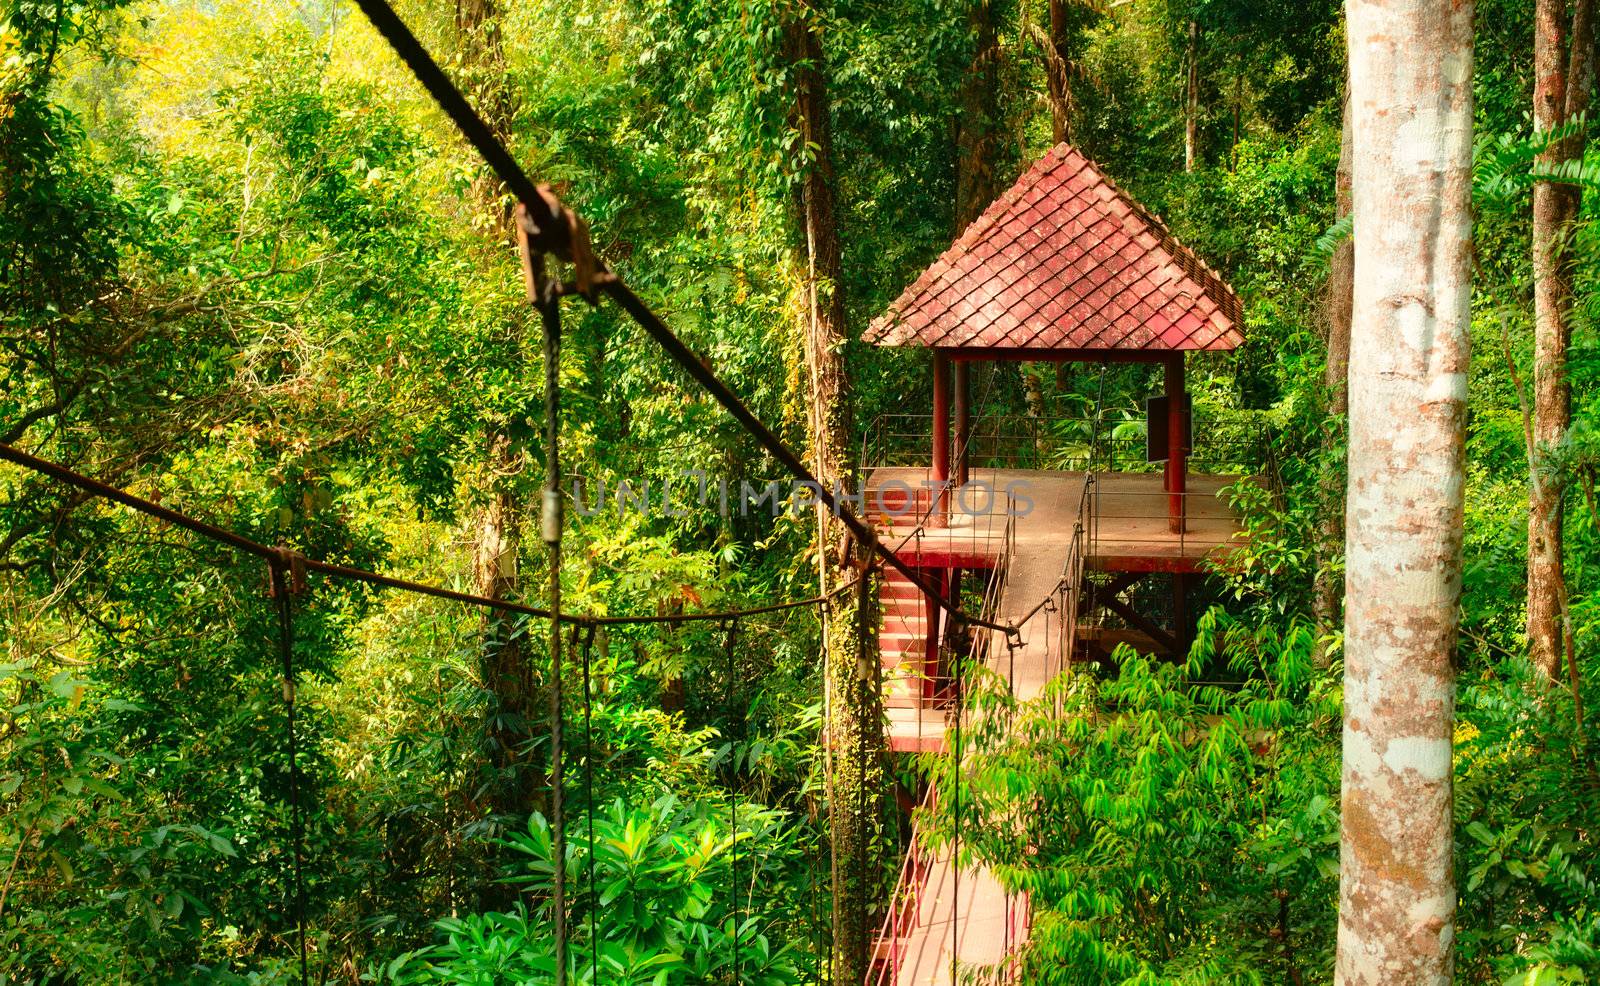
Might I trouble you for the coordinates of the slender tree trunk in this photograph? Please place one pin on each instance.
(1191, 101)
(1326, 596)
(1057, 81)
(506, 671)
(855, 718)
(1238, 110)
(1562, 82)
(1411, 115)
(980, 113)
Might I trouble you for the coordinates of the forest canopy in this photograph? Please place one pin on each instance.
(250, 273)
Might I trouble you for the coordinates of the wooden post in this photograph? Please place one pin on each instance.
(941, 505)
(1176, 464)
(941, 434)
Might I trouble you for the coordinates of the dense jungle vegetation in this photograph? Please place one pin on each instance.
(248, 270)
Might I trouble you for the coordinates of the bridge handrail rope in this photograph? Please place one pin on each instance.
(271, 554)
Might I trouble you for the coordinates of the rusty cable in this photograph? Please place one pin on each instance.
(555, 228)
(280, 564)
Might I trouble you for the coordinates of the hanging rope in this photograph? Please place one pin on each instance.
(542, 293)
(288, 578)
(588, 797)
(863, 752)
(194, 525)
(730, 631)
(955, 849)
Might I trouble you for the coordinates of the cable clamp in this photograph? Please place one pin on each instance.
(550, 517)
(568, 240)
(291, 565)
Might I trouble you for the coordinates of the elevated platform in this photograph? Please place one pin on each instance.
(1129, 529)
(1132, 529)
(961, 917)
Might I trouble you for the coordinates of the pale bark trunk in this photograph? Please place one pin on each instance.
(1191, 101)
(1562, 83)
(854, 718)
(1336, 309)
(1411, 115)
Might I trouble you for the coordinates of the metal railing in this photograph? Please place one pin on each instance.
(905, 905)
(903, 914)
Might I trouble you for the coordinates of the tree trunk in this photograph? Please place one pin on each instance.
(1057, 82)
(854, 714)
(1336, 308)
(858, 780)
(980, 112)
(1562, 83)
(1191, 101)
(1411, 115)
(505, 668)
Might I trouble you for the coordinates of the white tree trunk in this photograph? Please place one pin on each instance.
(1411, 104)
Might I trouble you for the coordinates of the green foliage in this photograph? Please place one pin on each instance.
(246, 269)
(1165, 829)
(1524, 800)
(677, 898)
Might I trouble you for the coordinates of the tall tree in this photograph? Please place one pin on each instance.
(855, 715)
(977, 127)
(1191, 99)
(497, 541)
(1563, 62)
(1058, 80)
(1411, 116)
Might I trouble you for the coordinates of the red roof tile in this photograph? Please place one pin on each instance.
(1065, 260)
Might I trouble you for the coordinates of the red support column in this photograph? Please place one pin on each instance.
(941, 504)
(963, 434)
(941, 434)
(1177, 464)
(963, 415)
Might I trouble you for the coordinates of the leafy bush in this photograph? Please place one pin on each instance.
(1166, 831)
(673, 899)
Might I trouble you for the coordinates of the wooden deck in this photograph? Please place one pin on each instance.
(963, 916)
(1129, 529)
(1132, 529)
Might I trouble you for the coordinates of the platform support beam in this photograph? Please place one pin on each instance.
(1177, 464)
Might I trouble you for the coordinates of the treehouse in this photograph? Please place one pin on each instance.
(1084, 537)
(1081, 537)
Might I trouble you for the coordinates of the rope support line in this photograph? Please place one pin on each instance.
(585, 648)
(549, 306)
(299, 564)
(551, 226)
(287, 579)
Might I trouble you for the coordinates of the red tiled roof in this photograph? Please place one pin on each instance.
(1065, 260)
